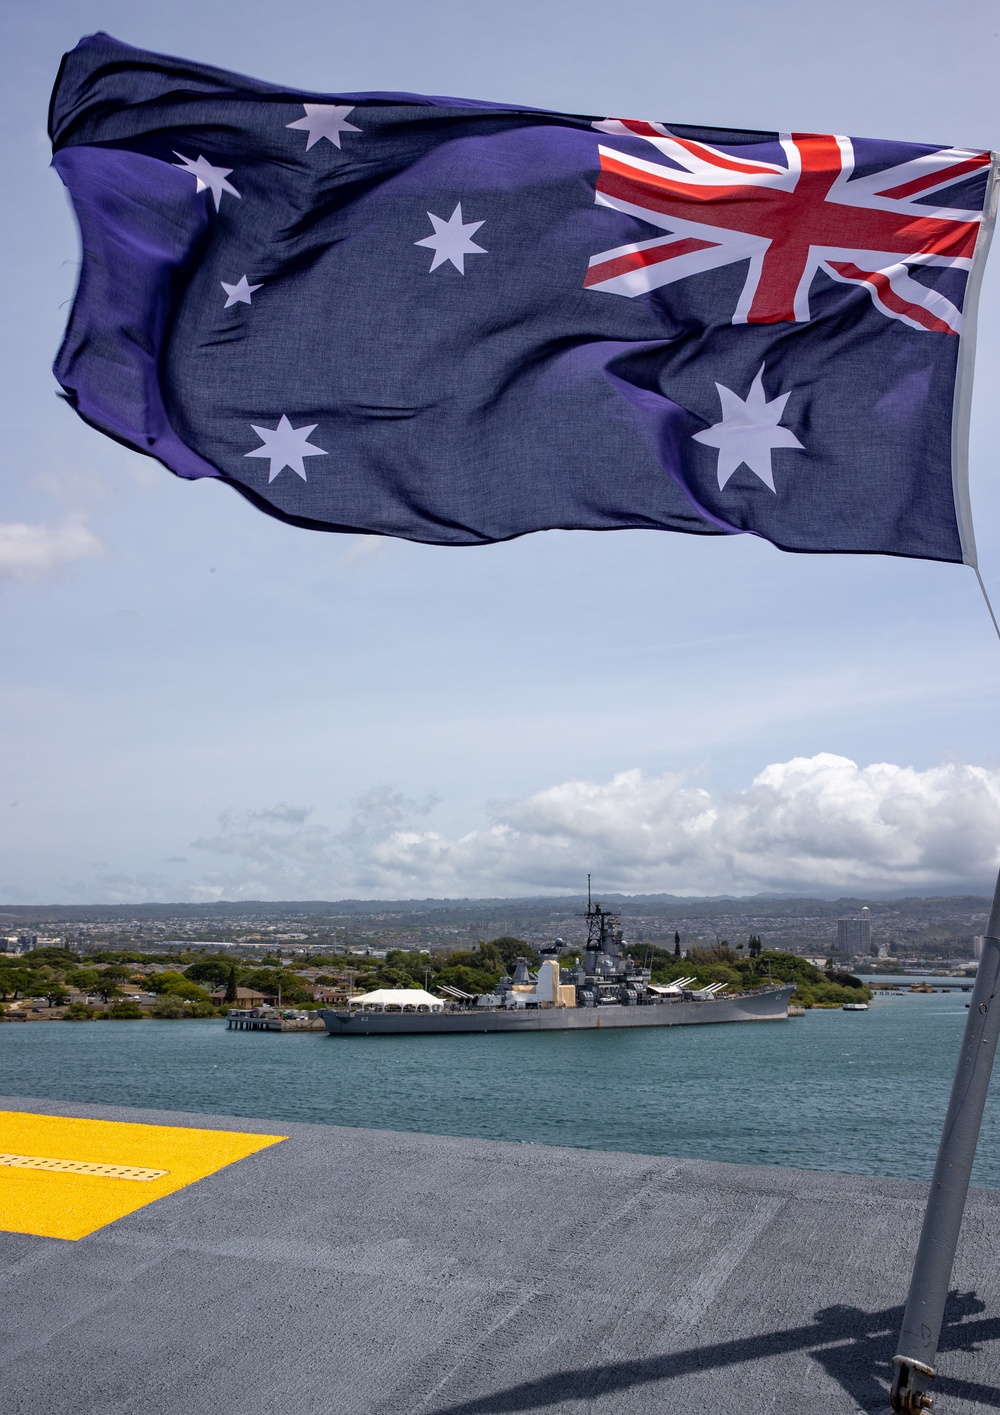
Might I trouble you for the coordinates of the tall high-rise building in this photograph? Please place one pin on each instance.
(854, 933)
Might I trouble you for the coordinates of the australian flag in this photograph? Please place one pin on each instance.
(460, 322)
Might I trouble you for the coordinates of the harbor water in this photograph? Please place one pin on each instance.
(853, 1092)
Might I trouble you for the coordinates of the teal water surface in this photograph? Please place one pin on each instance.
(861, 1093)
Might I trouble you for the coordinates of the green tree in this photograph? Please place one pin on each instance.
(126, 1011)
(170, 1007)
(231, 981)
(677, 944)
(16, 982)
(719, 953)
(812, 987)
(110, 980)
(485, 958)
(177, 985)
(78, 1012)
(384, 976)
(202, 1009)
(84, 979)
(213, 971)
(416, 965)
(116, 956)
(55, 995)
(511, 949)
(471, 980)
(60, 958)
(270, 981)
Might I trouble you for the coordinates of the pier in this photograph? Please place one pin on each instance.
(270, 1019)
(365, 1272)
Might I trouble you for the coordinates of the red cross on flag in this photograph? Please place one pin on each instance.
(787, 222)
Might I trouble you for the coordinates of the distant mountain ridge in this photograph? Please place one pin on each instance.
(19, 915)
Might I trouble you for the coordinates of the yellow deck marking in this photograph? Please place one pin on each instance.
(83, 1194)
(106, 1171)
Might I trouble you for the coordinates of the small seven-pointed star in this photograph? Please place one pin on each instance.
(208, 177)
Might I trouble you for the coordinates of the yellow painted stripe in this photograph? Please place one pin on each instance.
(53, 1203)
(106, 1171)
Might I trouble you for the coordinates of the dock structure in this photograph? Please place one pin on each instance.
(270, 1019)
(310, 1268)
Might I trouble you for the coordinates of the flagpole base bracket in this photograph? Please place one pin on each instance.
(909, 1386)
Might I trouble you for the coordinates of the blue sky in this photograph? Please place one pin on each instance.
(198, 702)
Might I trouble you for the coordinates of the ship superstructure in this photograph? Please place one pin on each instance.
(606, 976)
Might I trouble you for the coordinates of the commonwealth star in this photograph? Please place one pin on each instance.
(285, 446)
(452, 240)
(749, 431)
(325, 120)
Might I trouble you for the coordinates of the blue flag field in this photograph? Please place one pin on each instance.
(460, 322)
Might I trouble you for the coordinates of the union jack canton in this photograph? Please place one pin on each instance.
(460, 322)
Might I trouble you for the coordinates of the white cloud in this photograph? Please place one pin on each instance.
(292, 859)
(821, 824)
(30, 553)
(363, 548)
(287, 858)
(289, 815)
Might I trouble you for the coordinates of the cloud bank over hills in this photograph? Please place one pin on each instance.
(813, 824)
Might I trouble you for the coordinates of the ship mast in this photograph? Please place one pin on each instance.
(603, 931)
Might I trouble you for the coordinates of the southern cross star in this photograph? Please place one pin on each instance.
(452, 240)
(325, 120)
(748, 432)
(285, 446)
(208, 177)
(239, 294)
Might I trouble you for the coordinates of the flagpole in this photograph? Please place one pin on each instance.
(925, 1303)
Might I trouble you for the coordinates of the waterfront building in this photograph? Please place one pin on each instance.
(245, 997)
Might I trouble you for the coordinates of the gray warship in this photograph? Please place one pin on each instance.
(607, 988)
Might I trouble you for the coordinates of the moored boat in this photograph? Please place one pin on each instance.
(607, 988)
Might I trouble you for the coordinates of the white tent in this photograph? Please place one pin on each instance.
(406, 999)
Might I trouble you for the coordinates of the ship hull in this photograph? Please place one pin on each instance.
(768, 1006)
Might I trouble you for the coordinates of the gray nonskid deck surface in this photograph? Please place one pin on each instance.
(354, 1271)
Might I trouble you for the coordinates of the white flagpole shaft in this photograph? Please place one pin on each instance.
(925, 1304)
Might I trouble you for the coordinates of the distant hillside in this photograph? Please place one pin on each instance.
(941, 925)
